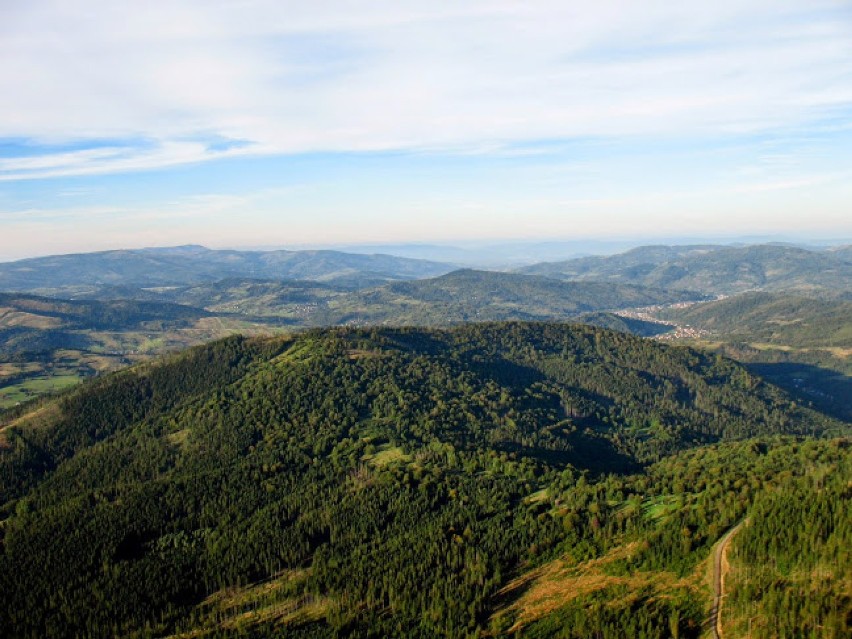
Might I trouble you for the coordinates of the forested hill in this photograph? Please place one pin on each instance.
(636, 259)
(453, 298)
(32, 311)
(156, 267)
(773, 318)
(47, 343)
(36, 327)
(472, 295)
(712, 270)
(384, 480)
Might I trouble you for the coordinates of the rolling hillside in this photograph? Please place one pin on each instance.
(470, 295)
(47, 341)
(31, 324)
(802, 344)
(772, 318)
(462, 295)
(42, 312)
(48, 344)
(288, 300)
(391, 481)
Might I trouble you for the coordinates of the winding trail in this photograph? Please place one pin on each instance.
(719, 580)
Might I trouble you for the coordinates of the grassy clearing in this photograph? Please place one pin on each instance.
(355, 353)
(551, 586)
(178, 438)
(43, 414)
(537, 496)
(657, 508)
(301, 352)
(386, 455)
(34, 387)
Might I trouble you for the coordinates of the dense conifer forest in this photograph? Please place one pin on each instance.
(414, 483)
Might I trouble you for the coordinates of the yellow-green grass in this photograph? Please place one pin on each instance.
(385, 456)
(279, 601)
(547, 588)
(10, 317)
(659, 507)
(11, 369)
(537, 496)
(34, 387)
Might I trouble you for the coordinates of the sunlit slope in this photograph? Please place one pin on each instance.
(349, 481)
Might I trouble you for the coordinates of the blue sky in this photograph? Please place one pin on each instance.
(257, 123)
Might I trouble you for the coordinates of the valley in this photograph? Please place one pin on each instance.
(422, 458)
(50, 341)
(436, 320)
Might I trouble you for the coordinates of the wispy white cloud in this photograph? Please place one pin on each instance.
(110, 159)
(336, 75)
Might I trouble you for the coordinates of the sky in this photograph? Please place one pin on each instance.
(250, 123)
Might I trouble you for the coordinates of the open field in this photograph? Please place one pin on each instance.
(106, 351)
(35, 387)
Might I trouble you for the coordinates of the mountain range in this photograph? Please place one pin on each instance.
(182, 265)
(715, 270)
(343, 467)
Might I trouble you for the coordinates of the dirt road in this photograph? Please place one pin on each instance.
(719, 580)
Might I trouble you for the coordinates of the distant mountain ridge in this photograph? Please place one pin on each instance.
(182, 265)
(713, 269)
(705, 268)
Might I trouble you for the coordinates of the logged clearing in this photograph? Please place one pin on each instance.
(547, 588)
(278, 601)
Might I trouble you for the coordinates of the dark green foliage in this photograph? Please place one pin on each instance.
(640, 616)
(812, 377)
(396, 467)
(108, 406)
(792, 558)
(613, 322)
